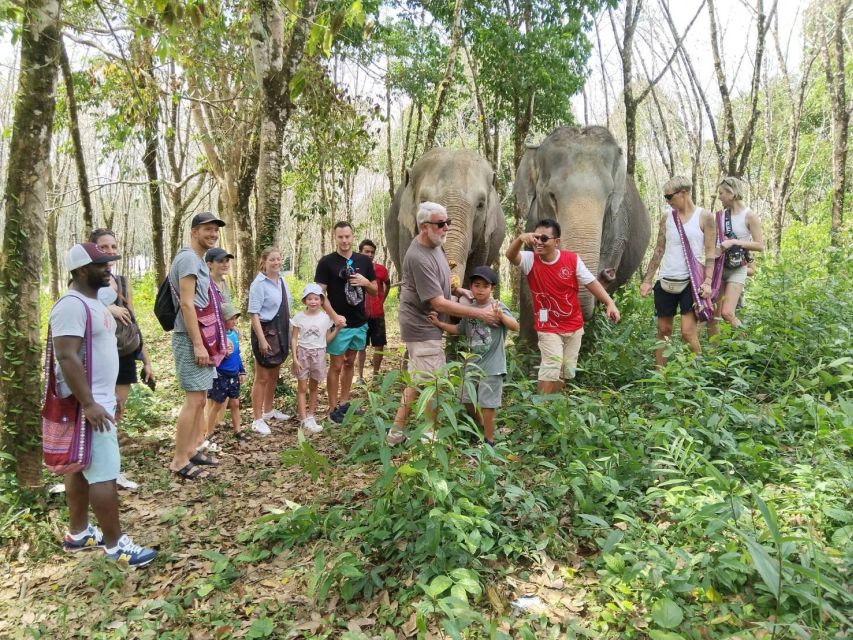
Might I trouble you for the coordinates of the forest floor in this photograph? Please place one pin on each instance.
(707, 500)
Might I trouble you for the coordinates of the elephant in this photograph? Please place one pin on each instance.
(464, 183)
(577, 176)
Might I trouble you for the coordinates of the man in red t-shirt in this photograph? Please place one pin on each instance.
(554, 276)
(374, 307)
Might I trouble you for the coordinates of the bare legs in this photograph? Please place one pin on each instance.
(103, 496)
(689, 333)
(191, 425)
(376, 361)
(263, 390)
(306, 388)
(485, 418)
(550, 386)
(728, 304)
(341, 370)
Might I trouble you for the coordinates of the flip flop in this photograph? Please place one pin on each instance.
(189, 472)
(201, 459)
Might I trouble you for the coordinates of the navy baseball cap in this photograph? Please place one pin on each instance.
(217, 253)
(486, 273)
(204, 218)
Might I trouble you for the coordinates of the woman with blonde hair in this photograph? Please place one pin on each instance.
(269, 310)
(743, 234)
(674, 289)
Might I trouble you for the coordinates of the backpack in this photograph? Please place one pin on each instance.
(164, 306)
(128, 336)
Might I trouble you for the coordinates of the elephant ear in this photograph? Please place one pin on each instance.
(525, 181)
(615, 229)
(619, 173)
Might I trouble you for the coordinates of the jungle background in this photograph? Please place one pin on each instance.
(710, 499)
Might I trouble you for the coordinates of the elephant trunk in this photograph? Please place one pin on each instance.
(581, 221)
(457, 245)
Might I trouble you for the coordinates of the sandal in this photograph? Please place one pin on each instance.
(201, 459)
(190, 472)
(393, 438)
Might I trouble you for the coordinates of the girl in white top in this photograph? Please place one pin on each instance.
(313, 329)
(700, 229)
(748, 235)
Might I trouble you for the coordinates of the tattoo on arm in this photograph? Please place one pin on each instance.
(660, 246)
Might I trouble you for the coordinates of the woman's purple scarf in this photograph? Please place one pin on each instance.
(702, 307)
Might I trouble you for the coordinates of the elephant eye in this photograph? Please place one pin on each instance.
(481, 204)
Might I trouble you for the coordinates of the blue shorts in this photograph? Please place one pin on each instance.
(348, 339)
(224, 387)
(106, 461)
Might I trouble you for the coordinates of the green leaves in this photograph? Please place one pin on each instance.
(667, 614)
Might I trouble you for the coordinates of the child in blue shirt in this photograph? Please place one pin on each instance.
(230, 374)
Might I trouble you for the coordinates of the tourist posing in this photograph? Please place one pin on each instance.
(485, 372)
(230, 376)
(555, 276)
(426, 288)
(118, 298)
(673, 291)
(198, 342)
(374, 307)
(313, 329)
(269, 309)
(71, 327)
(345, 277)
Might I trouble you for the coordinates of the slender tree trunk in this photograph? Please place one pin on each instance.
(405, 151)
(833, 56)
(74, 126)
(389, 158)
(417, 134)
(149, 159)
(23, 242)
(243, 215)
(444, 85)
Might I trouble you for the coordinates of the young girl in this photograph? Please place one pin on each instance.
(312, 330)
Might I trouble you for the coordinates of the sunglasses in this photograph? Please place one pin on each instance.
(669, 196)
(543, 238)
(441, 223)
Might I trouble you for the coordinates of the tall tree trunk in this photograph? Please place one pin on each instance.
(23, 242)
(405, 151)
(275, 67)
(444, 84)
(417, 134)
(74, 126)
(243, 216)
(833, 57)
(149, 159)
(389, 158)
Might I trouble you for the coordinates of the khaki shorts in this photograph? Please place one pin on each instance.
(559, 355)
(425, 358)
(735, 276)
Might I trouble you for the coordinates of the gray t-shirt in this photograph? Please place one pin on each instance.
(68, 318)
(188, 263)
(426, 275)
(486, 341)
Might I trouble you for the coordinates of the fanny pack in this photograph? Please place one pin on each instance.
(674, 286)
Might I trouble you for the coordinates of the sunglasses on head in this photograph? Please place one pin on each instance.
(441, 223)
(543, 238)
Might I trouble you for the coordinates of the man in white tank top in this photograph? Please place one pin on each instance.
(675, 291)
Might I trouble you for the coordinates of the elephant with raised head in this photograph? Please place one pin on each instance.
(464, 183)
(577, 177)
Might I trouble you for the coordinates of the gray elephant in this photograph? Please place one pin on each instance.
(464, 183)
(577, 177)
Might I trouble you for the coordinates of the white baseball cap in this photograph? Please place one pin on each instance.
(86, 253)
(312, 287)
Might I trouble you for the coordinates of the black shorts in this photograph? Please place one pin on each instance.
(127, 369)
(376, 332)
(224, 387)
(667, 303)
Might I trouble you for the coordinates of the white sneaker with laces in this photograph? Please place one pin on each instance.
(427, 436)
(275, 414)
(261, 427)
(310, 425)
(126, 483)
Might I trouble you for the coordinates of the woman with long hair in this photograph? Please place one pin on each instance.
(269, 310)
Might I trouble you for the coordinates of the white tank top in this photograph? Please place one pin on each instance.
(738, 225)
(674, 265)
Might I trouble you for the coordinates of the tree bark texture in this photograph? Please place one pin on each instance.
(444, 84)
(74, 126)
(23, 242)
(275, 63)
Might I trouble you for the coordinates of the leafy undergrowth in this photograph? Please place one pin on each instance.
(707, 500)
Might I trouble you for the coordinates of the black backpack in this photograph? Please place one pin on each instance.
(164, 306)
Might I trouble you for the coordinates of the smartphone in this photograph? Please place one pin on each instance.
(150, 382)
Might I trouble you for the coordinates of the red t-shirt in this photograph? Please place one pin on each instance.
(554, 288)
(374, 306)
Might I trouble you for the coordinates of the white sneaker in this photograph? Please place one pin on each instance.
(126, 483)
(261, 427)
(59, 487)
(204, 446)
(275, 414)
(427, 436)
(310, 425)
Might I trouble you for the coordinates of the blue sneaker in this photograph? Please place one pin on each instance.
(130, 554)
(338, 413)
(93, 539)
